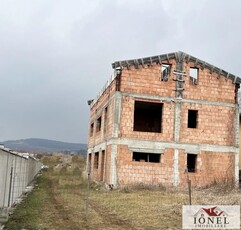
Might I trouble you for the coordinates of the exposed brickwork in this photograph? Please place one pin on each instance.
(132, 172)
(147, 80)
(97, 111)
(212, 168)
(209, 87)
(215, 125)
(107, 164)
(212, 140)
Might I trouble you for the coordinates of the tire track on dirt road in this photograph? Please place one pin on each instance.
(63, 215)
(110, 219)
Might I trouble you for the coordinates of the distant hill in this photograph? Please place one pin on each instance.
(44, 145)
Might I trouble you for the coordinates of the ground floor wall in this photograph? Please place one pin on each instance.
(116, 164)
(132, 172)
(212, 168)
(99, 164)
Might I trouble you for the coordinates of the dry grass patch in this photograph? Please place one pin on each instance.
(145, 209)
(67, 202)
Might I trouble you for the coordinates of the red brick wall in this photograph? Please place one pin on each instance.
(108, 93)
(147, 80)
(96, 172)
(215, 122)
(107, 164)
(134, 172)
(209, 87)
(99, 110)
(215, 125)
(212, 168)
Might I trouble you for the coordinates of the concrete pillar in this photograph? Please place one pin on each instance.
(113, 166)
(236, 142)
(117, 114)
(177, 120)
(115, 134)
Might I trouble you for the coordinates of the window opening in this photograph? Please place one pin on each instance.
(89, 162)
(91, 129)
(192, 119)
(147, 116)
(105, 119)
(166, 71)
(102, 165)
(191, 162)
(96, 162)
(98, 124)
(194, 75)
(146, 157)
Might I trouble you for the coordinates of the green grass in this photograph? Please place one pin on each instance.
(28, 214)
(43, 208)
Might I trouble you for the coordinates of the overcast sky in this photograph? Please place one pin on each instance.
(57, 54)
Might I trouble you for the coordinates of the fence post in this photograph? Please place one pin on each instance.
(189, 188)
(87, 198)
(10, 187)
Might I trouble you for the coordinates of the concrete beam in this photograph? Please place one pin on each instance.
(182, 100)
(188, 147)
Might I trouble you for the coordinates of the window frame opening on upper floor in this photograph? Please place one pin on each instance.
(91, 129)
(194, 75)
(148, 116)
(192, 119)
(165, 71)
(98, 124)
(106, 119)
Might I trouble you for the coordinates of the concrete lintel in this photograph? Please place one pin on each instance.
(193, 150)
(97, 148)
(148, 96)
(147, 150)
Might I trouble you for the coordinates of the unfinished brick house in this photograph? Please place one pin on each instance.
(161, 117)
